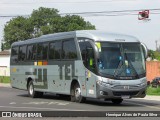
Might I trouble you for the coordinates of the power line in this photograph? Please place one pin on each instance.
(71, 2)
(117, 11)
(101, 13)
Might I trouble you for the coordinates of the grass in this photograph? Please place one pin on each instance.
(4, 79)
(153, 91)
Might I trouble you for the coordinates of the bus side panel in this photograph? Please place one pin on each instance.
(18, 79)
(55, 84)
(81, 73)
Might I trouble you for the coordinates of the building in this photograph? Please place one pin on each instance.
(153, 69)
(5, 63)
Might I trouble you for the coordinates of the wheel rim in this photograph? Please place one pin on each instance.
(77, 93)
(31, 89)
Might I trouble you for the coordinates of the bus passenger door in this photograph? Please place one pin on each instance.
(90, 76)
(87, 53)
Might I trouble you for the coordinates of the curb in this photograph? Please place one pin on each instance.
(150, 97)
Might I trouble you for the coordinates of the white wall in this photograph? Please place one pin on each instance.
(5, 60)
(4, 65)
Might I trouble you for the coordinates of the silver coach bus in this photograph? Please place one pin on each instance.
(82, 64)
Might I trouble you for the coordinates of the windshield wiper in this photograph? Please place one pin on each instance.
(119, 66)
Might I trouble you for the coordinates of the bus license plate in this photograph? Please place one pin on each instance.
(125, 97)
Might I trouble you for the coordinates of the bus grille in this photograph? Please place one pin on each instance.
(125, 93)
(120, 87)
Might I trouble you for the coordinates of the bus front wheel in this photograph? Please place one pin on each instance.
(76, 94)
(117, 101)
(31, 91)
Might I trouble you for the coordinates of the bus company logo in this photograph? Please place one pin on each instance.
(126, 87)
(6, 114)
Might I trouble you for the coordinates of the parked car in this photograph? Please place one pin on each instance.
(156, 82)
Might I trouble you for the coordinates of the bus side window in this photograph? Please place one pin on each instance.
(29, 52)
(69, 49)
(34, 52)
(54, 50)
(14, 54)
(22, 53)
(39, 51)
(45, 51)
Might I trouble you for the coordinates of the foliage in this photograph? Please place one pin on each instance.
(154, 54)
(2, 46)
(42, 21)
(17, 29)
(4, 79)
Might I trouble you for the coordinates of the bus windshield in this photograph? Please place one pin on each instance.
(121, 60)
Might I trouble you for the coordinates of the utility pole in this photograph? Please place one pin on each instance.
(156, 45)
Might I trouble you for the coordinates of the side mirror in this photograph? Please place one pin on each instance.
(145, 50)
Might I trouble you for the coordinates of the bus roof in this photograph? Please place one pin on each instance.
(95, 35)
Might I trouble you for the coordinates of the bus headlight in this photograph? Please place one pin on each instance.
(143, 84)
(99, 82)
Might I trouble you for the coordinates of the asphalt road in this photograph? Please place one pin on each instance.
(18, 100)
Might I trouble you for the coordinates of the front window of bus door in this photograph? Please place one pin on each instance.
(87, 54)
(90, 59)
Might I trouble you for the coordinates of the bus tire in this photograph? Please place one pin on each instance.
(117, 101)
(76, 94)
(31, 92)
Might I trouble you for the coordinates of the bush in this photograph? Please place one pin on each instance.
(4, 79)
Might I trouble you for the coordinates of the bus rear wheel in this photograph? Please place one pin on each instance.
(117, 101)
(76, 94)
(31, 91)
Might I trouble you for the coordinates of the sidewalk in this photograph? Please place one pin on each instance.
(148, 97)
(5, 85)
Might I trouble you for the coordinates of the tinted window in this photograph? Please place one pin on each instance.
(69, 49)
(55, 50)
(42, 51)
(34, 52)
(45, 51)
(83, 47)
(39, 51)
(31, 52)
(14, 54)
(87, 53)
(22, 53)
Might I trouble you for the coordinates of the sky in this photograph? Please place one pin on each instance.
(146, 32)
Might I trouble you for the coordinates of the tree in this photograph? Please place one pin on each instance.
(17, 29)
(2, 46)
(154, 55)
(151, 54)
(42, 21)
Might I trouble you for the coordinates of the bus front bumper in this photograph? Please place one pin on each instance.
(123, 91)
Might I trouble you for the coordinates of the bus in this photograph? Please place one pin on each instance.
(82, 64)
